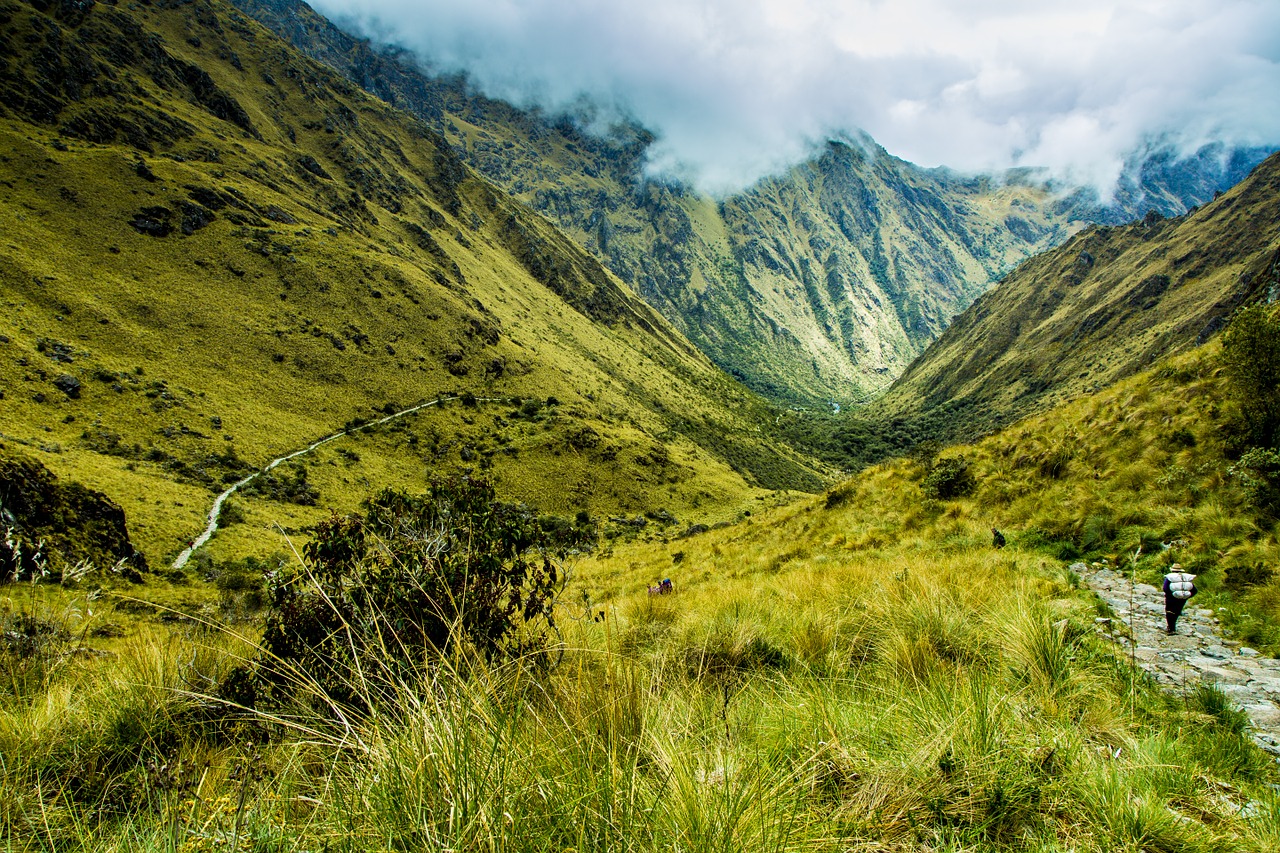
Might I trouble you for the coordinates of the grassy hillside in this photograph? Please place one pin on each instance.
(859, 670)
(217, 251)
(1103, 306)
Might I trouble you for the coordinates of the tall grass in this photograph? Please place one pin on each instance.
(867, 673)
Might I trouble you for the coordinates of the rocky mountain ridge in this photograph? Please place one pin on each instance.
(815, 286)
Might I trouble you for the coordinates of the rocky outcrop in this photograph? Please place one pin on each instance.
(47, 525)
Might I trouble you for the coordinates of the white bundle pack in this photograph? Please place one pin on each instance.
(1180, 584)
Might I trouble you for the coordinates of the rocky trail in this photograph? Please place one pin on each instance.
(216, 510)
(1197, 653)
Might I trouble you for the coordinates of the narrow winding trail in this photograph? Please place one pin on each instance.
(1197, 653)
(212, 527)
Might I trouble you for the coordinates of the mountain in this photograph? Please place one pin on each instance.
(1106, 304)
(1161, 178)
(217, 251)
(813, 286)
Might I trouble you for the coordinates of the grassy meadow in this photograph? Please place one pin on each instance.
(859, 670)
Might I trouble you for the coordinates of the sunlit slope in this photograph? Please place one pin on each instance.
(1106, 304)
(215, 251)
(1137, 469)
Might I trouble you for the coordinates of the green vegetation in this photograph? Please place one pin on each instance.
(218, 252)
(857, 670)
(1251, 356)
(788, 285)
(406, 579)
(1108, 303)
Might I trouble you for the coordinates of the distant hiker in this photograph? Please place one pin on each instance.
(997, 538)
(665, 587)
(1178, 587)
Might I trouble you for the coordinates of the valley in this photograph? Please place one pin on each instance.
(814, 286)
(383, 466)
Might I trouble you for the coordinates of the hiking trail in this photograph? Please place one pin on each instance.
(212, 526)
(1197, 653)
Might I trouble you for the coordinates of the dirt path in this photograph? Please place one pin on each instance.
(1198, 652)
(220, 499)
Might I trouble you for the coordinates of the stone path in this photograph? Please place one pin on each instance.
(1198, 652)
(216, 510)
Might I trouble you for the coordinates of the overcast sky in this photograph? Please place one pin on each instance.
(739, 88)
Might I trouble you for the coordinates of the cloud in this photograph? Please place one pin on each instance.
(736, 89)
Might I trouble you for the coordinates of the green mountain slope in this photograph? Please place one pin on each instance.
(1105, 305)
(216, 251)
(817, 285)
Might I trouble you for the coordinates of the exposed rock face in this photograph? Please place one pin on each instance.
(69, 385)
(153, 221)
(48, 525)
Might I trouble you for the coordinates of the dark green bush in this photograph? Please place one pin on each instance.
(399, 584)
(1251, 356)
(949, 477)
(1258, 471)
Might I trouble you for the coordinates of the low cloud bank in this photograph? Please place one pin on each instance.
(736, 90)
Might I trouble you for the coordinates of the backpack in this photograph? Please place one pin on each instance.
(1180, 584)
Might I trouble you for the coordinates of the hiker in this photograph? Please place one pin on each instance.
(1178, 587)
(997, 538)
(665, 587)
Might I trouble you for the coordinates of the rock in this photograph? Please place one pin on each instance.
(69, 385)
(1246, 652)
(693, 530)
(153, 221)
(1205, 613)
(1253, 809)
(194, 217)
(74, 521)
(1222, 674)
(1237, 692)
(310, 164)
(1263, 715)
(275, 214)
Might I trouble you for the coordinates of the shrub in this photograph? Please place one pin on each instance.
(1258, 471)
(400, 583)
(949, 477)
(1251, 355)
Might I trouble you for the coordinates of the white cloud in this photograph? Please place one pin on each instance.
(737, 88)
